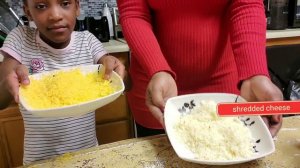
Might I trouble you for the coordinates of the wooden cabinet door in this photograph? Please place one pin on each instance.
(114, 111)
(3, 159)
(114, 121)
(11, 136)
(114, 131)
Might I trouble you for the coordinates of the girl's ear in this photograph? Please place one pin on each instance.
(77, 8)
(27, 12)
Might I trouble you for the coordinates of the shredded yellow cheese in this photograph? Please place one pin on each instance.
(65, 88)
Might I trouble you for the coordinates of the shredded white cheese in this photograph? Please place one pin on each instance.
(214, 138)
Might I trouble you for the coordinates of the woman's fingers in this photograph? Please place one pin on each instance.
(273, 123)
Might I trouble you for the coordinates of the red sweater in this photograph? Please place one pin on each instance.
(208, 46)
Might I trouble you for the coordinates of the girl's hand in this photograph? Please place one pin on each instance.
(14, 79)
(112, 63)
(261, 88)
(12, 74)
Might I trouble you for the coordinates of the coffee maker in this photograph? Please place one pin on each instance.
(98, 26)
(277, 14)
(116, 24)
(294, 13)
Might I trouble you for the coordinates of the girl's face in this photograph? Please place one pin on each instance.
(55, 19)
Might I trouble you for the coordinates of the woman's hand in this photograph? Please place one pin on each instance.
(161, 87)
(112, 63)
(261, 88)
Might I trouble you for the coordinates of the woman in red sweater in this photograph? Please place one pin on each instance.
(194, 46)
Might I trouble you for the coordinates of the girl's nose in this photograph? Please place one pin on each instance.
(55, 14)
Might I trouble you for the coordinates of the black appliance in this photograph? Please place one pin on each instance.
(2, 37)
(8, 20)
(294, 13)
(96, 25)
(116, 24)
(276, 14)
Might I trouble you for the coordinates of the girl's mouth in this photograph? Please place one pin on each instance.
(58, 29)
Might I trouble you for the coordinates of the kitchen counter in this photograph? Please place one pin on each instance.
(156, 151)
(113, 46)
(120, 45)
(272, 34)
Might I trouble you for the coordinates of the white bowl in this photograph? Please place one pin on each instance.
(174, 108)
(81, 108)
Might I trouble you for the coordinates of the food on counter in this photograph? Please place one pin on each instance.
(214, 138)
(65, 88)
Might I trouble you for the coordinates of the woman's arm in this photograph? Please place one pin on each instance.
(135, 18)
(12, 73)
(248, 37)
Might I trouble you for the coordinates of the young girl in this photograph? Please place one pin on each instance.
(53, 45)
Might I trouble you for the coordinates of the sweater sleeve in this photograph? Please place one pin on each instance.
(248, 37)
(135, 18)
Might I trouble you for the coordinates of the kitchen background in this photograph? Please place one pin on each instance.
(88, 7)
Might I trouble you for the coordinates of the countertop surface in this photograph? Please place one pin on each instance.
(157, 152)
(114, 46)
(272, 34)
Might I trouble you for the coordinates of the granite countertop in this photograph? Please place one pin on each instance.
(156, 151)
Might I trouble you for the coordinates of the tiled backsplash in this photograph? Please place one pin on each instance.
(88, 7)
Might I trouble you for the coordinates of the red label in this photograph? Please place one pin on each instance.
(259, 108)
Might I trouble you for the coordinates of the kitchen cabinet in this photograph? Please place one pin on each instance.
(11, 137)
(283, 37)
(283, 41)
(113, 123)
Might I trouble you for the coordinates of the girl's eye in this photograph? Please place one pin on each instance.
(65, 3)
(40, 6)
